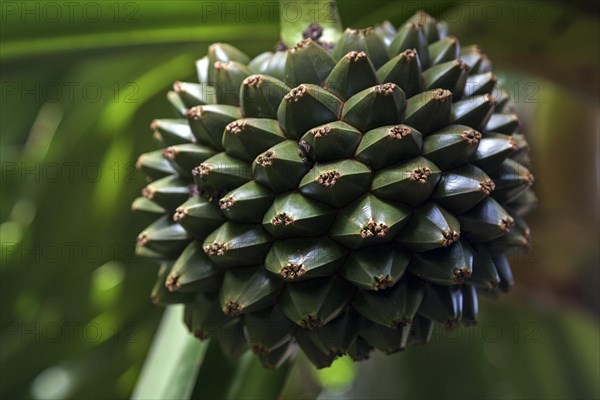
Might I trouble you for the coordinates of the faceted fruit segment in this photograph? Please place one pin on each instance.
(312, 304)
(234, 245)
(377, 267)
(302, 259)
(336, 183)
(380, 105)
(411, 181)
(330, 142)
(368, 221)
(194, 272)
(395, 307)
(430, 227)
(281, 167)
(353, 73)
(305, 107)
(387, 145)
(294, 215)
(336, 197)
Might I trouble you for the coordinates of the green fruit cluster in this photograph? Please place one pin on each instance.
(336, 197)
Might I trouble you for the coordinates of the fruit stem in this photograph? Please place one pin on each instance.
(296, 17)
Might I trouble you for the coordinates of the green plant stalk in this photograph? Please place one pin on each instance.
(295, 16)
(173, 362)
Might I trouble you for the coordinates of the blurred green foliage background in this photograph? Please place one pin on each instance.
(81, 82)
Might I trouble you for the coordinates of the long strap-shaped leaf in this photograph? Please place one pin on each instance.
(171, 367)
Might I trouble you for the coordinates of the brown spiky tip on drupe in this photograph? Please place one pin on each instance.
(450, 237)
(216, 249)
(155, 300)
(336, 353)
(382, 282)
(420, 175)
(253, 80)
(169, 153)
(236, 127)
(423, 17)
(177, 87)
(194, 112)
(232, 308)
(528, 178)
(328, 178)
(400, 323)
(172, 283)
(399, 132)
(179, 214)
(506, 223)
(213, 195)
(202, 170)
(311, 322)
(386, 89)
(201, 334)
(471, 136)
(410, 53)
(487, 186)
(362, 31)
(266, 158)
(354, 56)
(451, 324)
(259, 349)
(460, 274)
(513, 143)
(492, 286)
(221, 66)
(526, 236)
(304, 148)
(300, 45)
(374, 229)
(314, 31)
(292, 270)
(321, 131)
(462, 65)
(148, 193)
(442, 95)
(327, 46)
(295, 94)
(138, 163)
(490, 99)
(281, 46)
(282, 219)
(226, 202)
(142, 239)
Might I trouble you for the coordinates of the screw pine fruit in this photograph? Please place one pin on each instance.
(336, 197)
